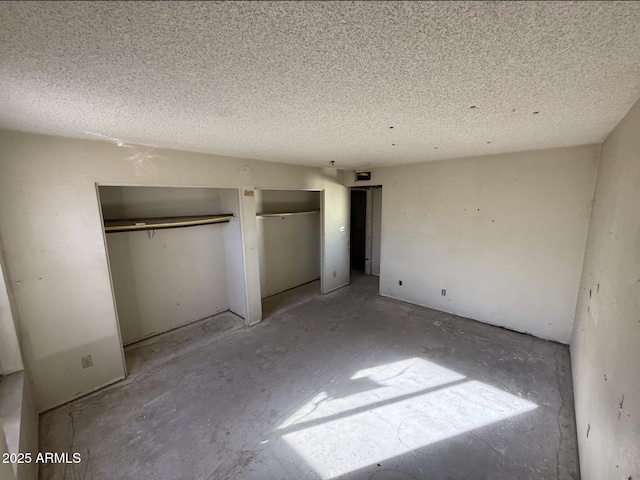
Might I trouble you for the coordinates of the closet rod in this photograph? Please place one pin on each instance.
(156, 223)
(286, 214)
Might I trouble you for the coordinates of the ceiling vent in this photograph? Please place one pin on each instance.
(362, 176)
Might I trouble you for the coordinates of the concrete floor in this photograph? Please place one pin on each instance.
(347, 385)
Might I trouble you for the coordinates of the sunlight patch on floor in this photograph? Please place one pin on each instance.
(373, 385)
(390, 410)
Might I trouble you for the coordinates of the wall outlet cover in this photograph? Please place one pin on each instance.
(87, 361)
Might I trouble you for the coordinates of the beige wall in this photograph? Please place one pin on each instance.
(176, 277)
(55, 250)
(140, 202)
(289, 251)
(605, 347)
(283, 201)
(18, 426)
(504, 235)
(28, 433)
(10, 357)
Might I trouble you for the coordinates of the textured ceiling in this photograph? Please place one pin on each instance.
(311, 82)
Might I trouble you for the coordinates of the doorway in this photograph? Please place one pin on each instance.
(366, 229)
(358, 229)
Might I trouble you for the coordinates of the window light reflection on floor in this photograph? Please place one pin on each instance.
(389, 410)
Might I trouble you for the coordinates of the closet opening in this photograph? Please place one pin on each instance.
(175, 257)
(289, 246)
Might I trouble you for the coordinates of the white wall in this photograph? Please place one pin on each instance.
(10, 358)
(173, 276)
(334, 223)
(18, 426)
(131, 202)
(283, 201)
(55, 251)
(503, 234)
(289, 251)
(234, 254)
(605, 347)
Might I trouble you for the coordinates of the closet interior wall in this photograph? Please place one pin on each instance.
(166, 278)
(288, 225)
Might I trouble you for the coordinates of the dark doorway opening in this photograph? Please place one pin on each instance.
(358, 229)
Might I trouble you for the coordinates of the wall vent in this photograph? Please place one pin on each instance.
(362, 176)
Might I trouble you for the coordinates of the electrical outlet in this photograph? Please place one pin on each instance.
(400, 282)
(443, 293)
(86, 361)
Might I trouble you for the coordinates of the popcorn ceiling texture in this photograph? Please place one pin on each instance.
(311, 82)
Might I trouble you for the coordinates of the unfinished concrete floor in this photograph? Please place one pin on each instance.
(347, 385)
